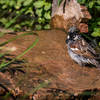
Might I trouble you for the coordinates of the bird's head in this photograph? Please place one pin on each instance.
(73, 33)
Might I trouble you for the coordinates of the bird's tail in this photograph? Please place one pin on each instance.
(95, 62)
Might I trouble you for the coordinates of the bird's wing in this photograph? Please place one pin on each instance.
(81, 47)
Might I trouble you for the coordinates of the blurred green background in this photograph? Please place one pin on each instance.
(19, 15)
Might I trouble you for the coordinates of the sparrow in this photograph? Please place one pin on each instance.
(80, 50)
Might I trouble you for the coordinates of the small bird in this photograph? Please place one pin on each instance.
(80, 50)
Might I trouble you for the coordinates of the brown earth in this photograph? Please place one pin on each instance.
(48, 63)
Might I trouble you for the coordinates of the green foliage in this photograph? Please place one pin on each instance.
(94, 8)
(39, 4)
(25, 14)
(96, 32)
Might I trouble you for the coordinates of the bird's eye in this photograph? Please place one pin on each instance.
(67, 40)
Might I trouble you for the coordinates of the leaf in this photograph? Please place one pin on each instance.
(18, 5)
(39, 4)
(96, 32)
(10, 22)
(4, 6)
(29, 11)
(27, 2)
(47, 15)
(47, 6)
(97, 7)
(91, 4)
(98, 2)
(2, 1)
(41, 20)
(47, 26)
(97, 29)
(38, 27)
(4, 20)
(39, 12)
(98, 22)
(17, 26)
(99, 43)
(12, 3)
(2, 54)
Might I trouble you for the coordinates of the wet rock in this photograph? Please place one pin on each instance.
(49, 68)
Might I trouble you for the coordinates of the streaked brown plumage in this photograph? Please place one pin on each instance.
(80, 50)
